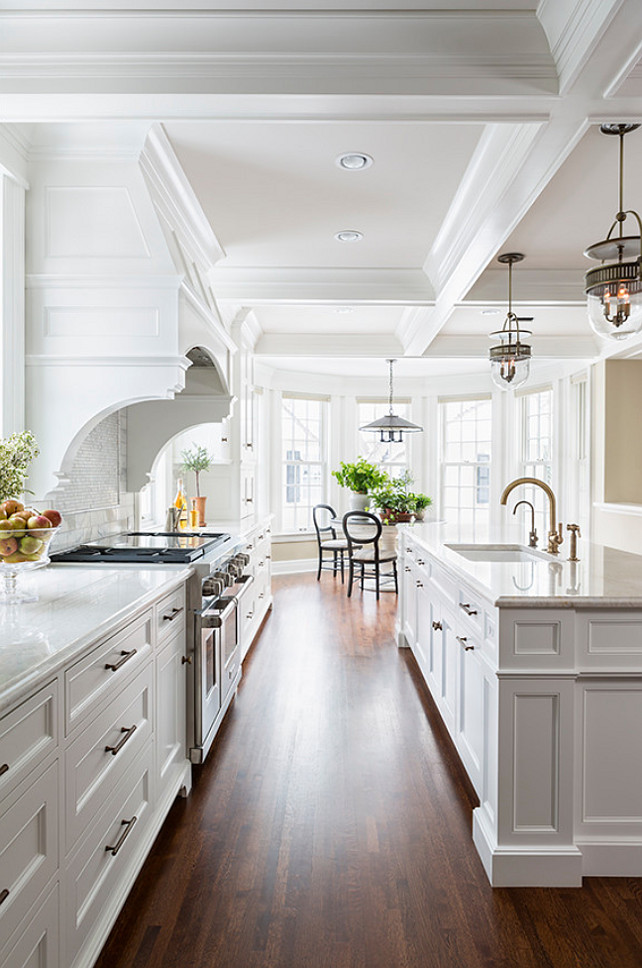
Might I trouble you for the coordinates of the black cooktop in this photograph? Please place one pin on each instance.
(158, 547)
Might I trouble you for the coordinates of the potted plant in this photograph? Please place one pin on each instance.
(396, 503)
(198, 460)
(360, 477)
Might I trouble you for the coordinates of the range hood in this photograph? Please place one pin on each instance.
(151, 424)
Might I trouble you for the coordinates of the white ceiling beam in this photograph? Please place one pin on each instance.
(260, 286)
(328, 344)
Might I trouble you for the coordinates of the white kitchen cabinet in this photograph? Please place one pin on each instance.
(37, 943)
(257, 600)
(87, 785)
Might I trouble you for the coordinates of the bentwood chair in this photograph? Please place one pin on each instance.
(322, 515)
(362, 530)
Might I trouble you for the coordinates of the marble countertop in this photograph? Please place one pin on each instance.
(76, 605)
(603, 578)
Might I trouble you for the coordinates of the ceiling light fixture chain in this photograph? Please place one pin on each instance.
(614, 288)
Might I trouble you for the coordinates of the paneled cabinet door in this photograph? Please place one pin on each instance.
(409, 589)
(449, 669)
(171, 688)
(469, 737)
(38, 945)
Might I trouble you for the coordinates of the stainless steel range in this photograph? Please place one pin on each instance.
(214, 594)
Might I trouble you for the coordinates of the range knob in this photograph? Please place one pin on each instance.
(224, 577)
(242, 559)
(213, 586)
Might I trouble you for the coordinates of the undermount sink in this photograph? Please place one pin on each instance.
(498, 552)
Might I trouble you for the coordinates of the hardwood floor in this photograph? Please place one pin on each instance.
(331, 827)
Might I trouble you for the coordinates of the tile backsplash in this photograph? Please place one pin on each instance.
(95, 501)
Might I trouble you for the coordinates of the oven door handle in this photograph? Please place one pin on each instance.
(216, 618)
(245, 584)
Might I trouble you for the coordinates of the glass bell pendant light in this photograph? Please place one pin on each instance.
(614, 289)
(391, 428)
(510, 359)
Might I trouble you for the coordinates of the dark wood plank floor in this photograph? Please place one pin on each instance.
(331, 827)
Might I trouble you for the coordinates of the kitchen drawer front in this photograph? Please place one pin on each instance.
(94, 873)
(28, 849)
(170, 614)
(445, 586)
(38, 945)
(27, 736)
(93, 679)
(610, 640)
(91, 770)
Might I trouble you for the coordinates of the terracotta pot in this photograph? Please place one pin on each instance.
(397, 517)
(200, 506)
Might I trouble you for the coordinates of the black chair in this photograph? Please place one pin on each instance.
(362, 528)
(338, 547)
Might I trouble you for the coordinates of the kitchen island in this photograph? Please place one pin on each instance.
(92, 750)
(535, 664)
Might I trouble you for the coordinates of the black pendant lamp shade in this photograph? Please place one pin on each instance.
(391, 428)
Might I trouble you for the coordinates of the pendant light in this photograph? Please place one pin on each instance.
(614, 289)
(391, 428)
(510, 359)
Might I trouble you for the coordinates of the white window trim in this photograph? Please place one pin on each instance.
(303, 535)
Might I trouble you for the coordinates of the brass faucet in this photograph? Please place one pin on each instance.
(532, 537)
(555, 535)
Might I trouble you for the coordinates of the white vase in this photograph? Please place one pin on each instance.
(388, 539)
(358, 502)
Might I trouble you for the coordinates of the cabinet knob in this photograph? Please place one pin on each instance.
(438, 627)
(4, 895)
(4, 768)
(186, 660)
(223, 440)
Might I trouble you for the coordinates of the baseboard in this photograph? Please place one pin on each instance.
(526, 866)
(623, 859)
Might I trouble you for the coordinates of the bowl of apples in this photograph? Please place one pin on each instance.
(25, 534)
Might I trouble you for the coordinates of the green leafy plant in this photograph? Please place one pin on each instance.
(197, 460)
(360, 477)
(395, 501)
(16, 453)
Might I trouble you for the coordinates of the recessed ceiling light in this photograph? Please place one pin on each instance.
(354, 161)
(490, 312)
(343, 309)
(349, 235)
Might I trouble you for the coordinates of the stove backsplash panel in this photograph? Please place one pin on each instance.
(94, 501)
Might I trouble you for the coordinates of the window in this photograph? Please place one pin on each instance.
(465, 465)
(392, 458)
(303, 456)
(537, 452)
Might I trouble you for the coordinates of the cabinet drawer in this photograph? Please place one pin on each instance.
(170, 613)
(104, 750)
(28, 849)
(95, 873)
(37, 946)
(27, 736)
(100, 673)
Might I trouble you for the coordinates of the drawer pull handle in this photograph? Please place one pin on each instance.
(468, 610)
(172, 615)
(4, 768)
(268, 556)
(419, 584)
(249, 615)
(438, 627)
(129, 826)
(4, 895)
(186, 660)
(462, 641)
(249, 500)
(407, 568)
(262, 595)
(129, 732)
(420, 561)
(121, 662)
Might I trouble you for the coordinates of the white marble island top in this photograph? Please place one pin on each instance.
(76, 605)
(603, 578)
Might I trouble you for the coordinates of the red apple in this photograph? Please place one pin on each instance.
(39, 521)
(8, 546)
(11, 506)
(54, 516)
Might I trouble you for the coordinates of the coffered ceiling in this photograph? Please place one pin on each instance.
(481, 120)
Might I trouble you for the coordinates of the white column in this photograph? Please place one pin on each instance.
(12, 288)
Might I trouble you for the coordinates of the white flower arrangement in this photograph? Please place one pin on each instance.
(16, 453)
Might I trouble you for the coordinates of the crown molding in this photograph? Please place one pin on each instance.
(212, 319)
(141, 362)
(328, 344)
(573, 28)
(176, 200)
(254, 286)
